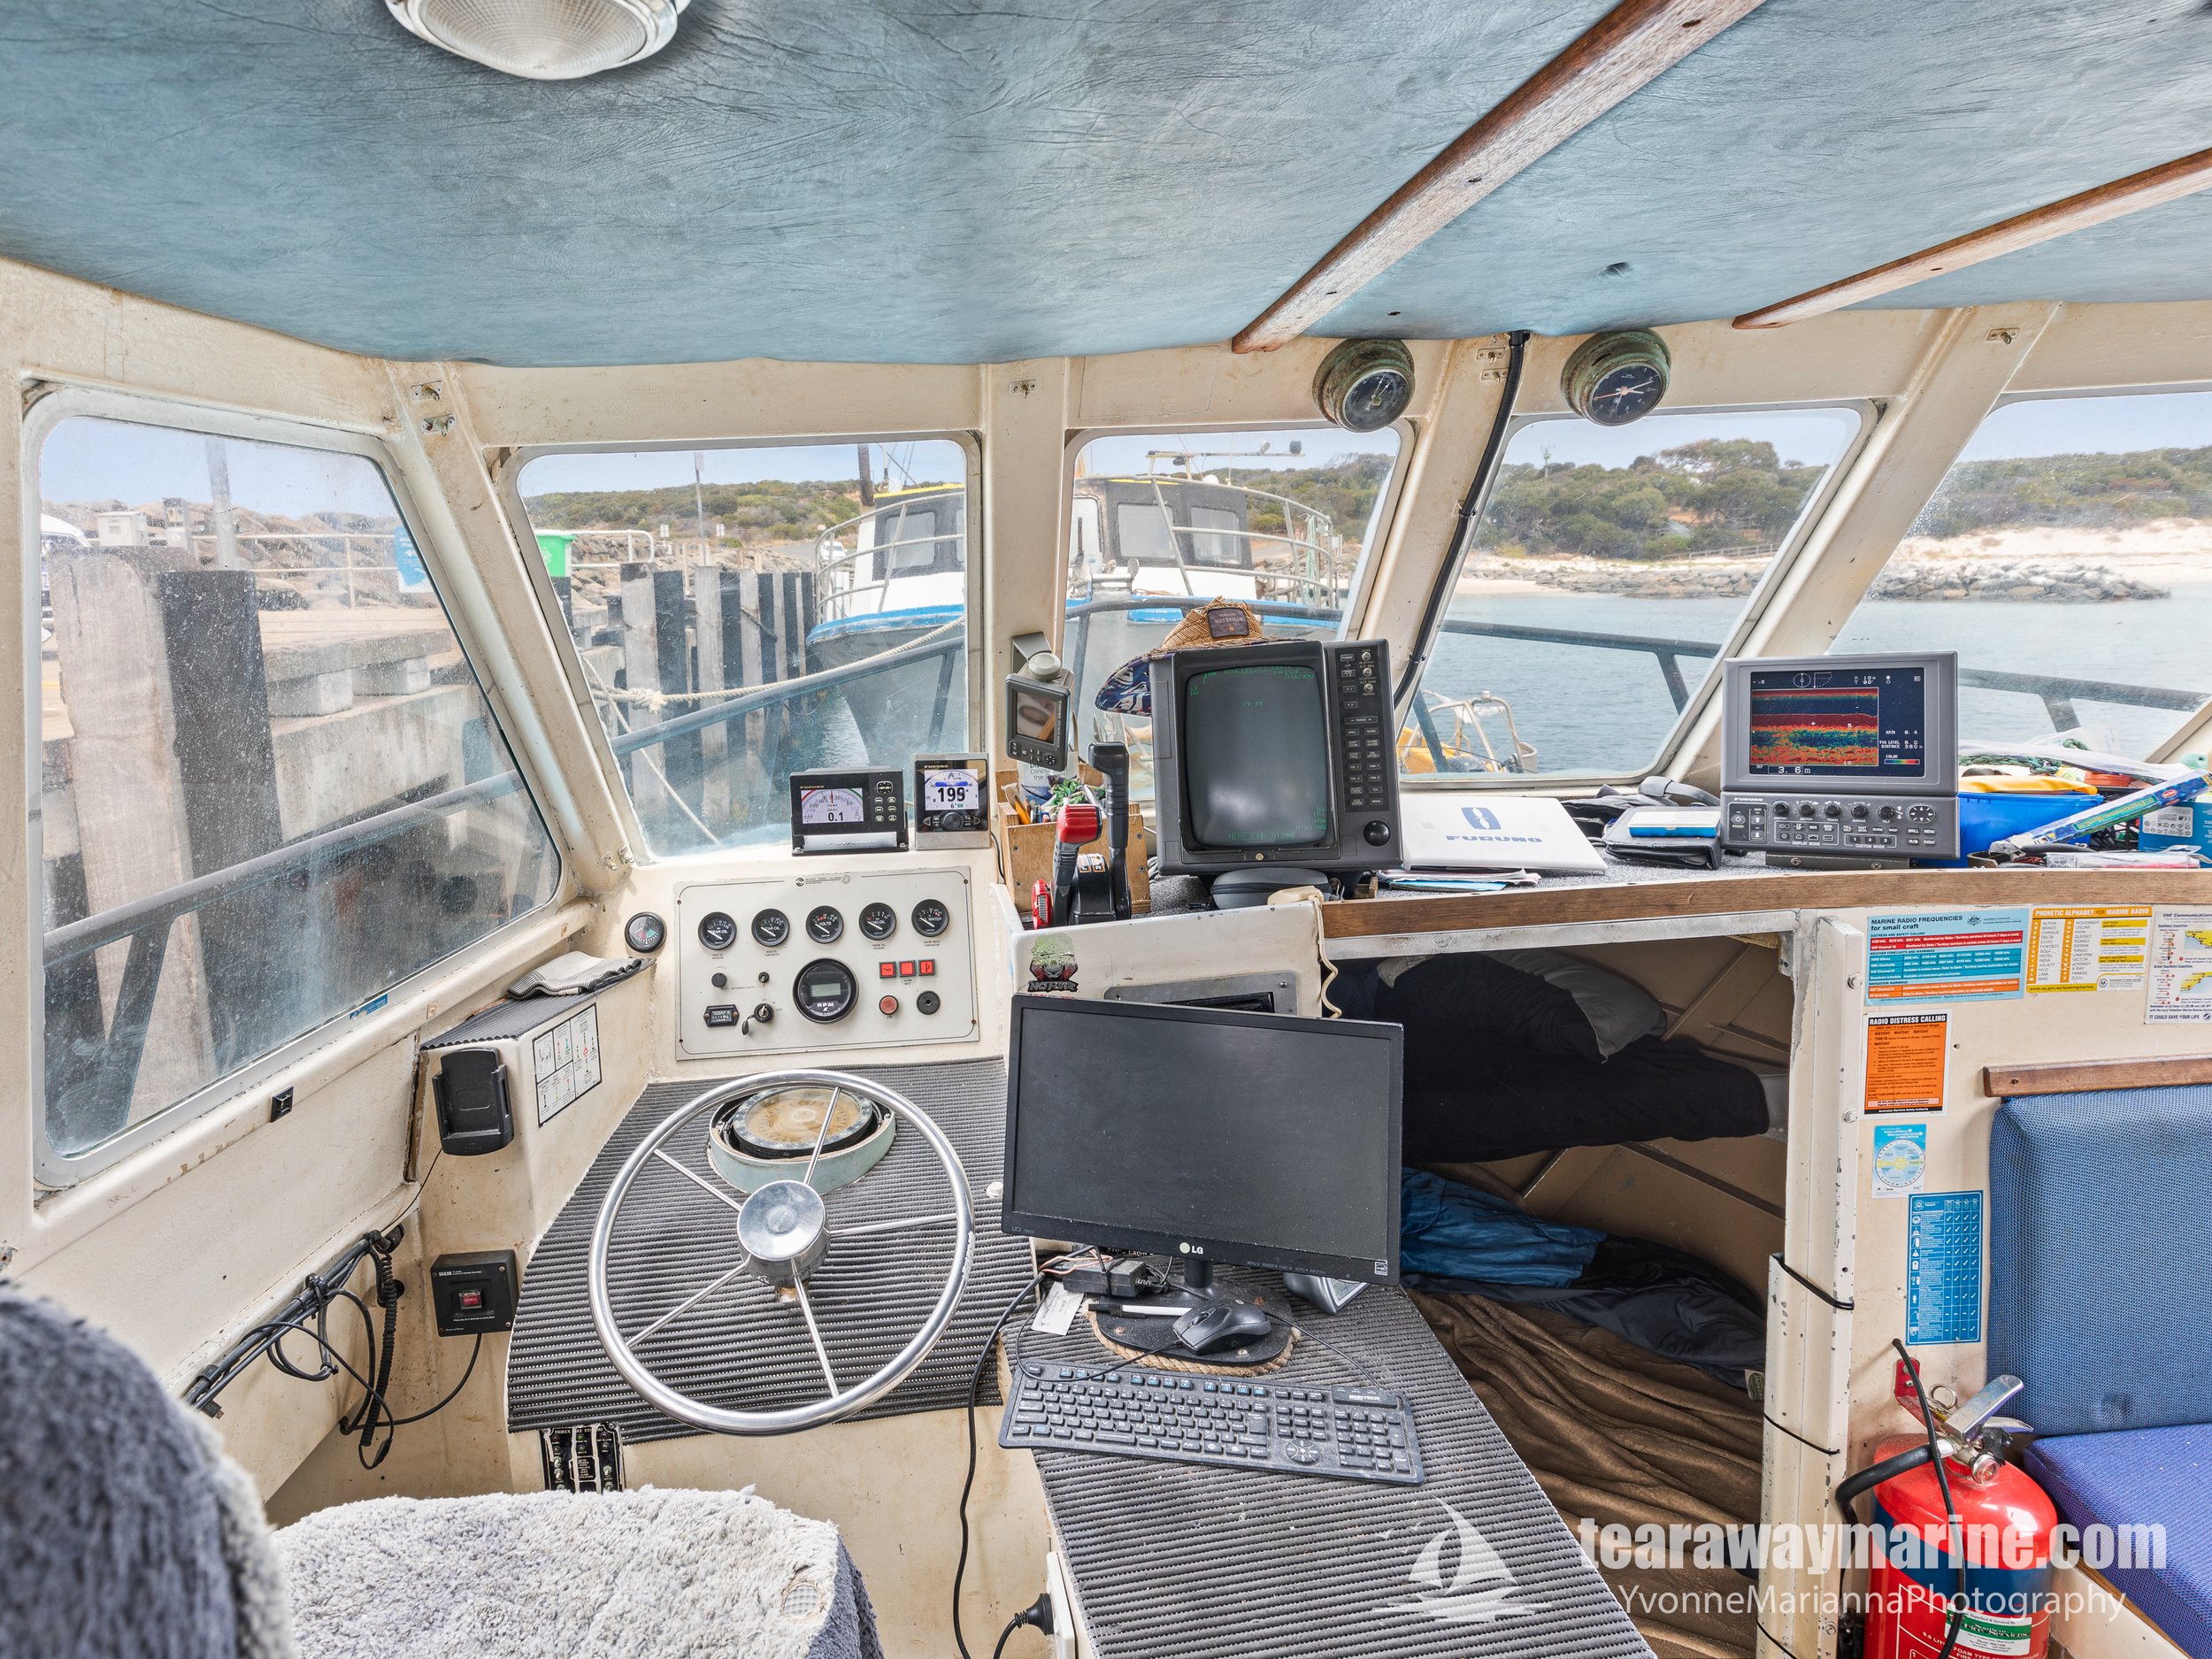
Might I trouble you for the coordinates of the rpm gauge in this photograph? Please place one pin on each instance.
(771, 928)
(717, 930)
(824, 924)
(931, 917)
(878, 921)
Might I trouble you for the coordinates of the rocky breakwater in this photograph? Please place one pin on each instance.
(1911, 578)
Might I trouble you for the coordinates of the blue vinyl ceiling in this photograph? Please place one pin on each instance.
(960, 181)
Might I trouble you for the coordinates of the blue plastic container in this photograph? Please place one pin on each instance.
(1985, 818)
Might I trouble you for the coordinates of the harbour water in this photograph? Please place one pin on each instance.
(1594, 709)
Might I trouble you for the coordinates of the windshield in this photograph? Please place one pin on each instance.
(743, 613)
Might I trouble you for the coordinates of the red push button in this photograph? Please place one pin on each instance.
(472, 1300)
(906, 970)
(888, 1005)
(887, 971)
(929, 967)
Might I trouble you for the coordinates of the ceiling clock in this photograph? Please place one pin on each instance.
(1614, 379)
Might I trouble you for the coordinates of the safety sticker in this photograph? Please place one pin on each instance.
(1943, 1268)
(2088, 949)
(1905, 1056)
(2181, 966)
(1950, 956)
(1900, 1159)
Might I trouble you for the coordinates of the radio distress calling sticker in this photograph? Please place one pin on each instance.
(1905, 1056)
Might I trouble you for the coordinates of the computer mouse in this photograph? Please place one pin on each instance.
(1221, 1324)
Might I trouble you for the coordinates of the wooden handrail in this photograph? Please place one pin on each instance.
(2068, 1076)
(2116, 200)
(1625, 50)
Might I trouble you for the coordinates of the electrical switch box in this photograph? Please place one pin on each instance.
(474, 1291)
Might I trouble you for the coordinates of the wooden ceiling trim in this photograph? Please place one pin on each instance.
(1626, 49)
(2152, 188)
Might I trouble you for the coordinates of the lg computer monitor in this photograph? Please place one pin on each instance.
(1214, 1136)
(1280, 753)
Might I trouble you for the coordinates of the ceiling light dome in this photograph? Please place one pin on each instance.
(544, 39)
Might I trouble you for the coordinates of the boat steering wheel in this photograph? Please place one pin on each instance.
(785, 1235)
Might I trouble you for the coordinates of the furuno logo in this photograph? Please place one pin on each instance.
(1481, 1590)
(1480, 818)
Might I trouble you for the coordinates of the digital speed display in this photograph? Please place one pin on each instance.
(842, 809)
(951, 796)
(820, 808)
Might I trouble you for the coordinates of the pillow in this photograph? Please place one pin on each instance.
(1619, 1011)
(1551, 1003)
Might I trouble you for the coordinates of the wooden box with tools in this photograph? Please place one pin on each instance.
(1025, 851)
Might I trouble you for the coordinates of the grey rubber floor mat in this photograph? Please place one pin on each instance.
(739, 1348)
(1176, 1559)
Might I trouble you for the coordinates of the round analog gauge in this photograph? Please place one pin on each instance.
(771, 928)
(1613, 379)
(824, 924)
(717, 930)
(645, 933)
(825, 990)
(878, 921)
(931, 917)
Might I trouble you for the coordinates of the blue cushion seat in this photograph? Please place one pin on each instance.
(2145, 1478)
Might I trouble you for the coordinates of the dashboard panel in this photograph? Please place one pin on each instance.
(854, 959)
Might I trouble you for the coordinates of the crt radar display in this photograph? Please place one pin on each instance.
(1256, 757)
(1830, 722)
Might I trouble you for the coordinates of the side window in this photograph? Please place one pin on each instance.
(743, 613)
(1602, 583)
(2065, 558)
(271, 786)
(1162, 521)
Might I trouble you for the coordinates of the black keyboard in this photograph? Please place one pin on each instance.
(1353, 1433)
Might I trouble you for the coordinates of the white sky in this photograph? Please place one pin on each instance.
(929, 461)
(1214, 451)
(1811, 436)
(99, 460)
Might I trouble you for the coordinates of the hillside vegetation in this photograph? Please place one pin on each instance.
(751, 515)
(2091, 492)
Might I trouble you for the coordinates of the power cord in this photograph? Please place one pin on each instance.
(1038, 1613)
(975, 1390)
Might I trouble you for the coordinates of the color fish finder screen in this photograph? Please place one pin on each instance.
(1869, 722)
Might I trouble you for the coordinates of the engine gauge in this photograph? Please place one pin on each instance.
(645, 933)
(878, 921)
(771, 928)
(825, 990)
(824, 924)
(717, 930)
(931, 917)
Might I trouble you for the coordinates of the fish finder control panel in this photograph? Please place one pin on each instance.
(838, 960)
(1841, 757)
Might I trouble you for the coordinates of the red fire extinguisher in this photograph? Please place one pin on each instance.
(1965, 1572)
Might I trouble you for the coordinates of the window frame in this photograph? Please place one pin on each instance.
(1770, 588)
(1382, 519)
(67, 401)
(507, 483)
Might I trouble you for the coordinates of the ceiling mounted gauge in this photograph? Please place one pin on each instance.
(1364, 385)
(717, 930)
(1614, 379)
(824, 924)
(878, 921)
(771, 928)
(645, 933)
(931, 917)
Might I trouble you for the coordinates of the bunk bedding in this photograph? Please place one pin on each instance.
(1616, 1436)
(1517, 1052)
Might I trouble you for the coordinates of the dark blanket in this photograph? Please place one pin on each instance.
(1470, 1104)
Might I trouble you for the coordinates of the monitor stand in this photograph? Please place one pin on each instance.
(1247, 887)
(1144, 1333)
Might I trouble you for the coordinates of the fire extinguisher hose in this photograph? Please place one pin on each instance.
(1874, 1474)
(1957, 1540)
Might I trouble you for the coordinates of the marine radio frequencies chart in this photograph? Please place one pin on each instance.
(2181, 966)
(1817, 725)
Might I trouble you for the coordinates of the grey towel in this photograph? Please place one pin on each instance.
(554, 1575)
(125, 1532)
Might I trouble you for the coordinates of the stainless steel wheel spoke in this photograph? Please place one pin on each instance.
(828, 1112)
(691, 1301)
(697, 1179)
(815, 1330)
(867, 1227)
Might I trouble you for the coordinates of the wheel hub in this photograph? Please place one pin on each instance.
(784, 1229)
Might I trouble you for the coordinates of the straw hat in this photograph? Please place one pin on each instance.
(1218, 622)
